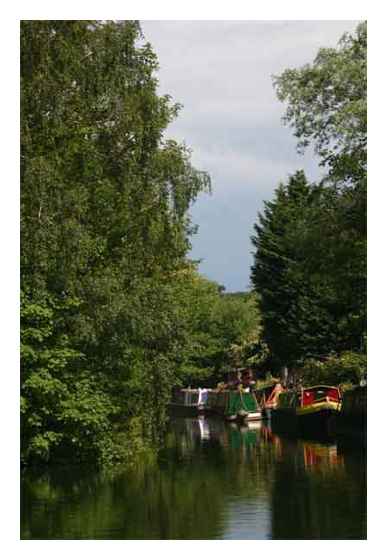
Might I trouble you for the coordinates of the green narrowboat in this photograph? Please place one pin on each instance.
(240, 404)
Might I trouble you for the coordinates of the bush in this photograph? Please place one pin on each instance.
(346, 368)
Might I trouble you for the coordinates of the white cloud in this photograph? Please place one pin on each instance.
(222, 74)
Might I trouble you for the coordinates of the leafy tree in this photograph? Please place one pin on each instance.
(218, 326)
(306, 309)
(310, 242)
(327, 106)
(105, 230)
(239, 326)
(348, 367)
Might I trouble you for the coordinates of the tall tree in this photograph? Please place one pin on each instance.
(291, 301)
(105, 229)
(310, 243)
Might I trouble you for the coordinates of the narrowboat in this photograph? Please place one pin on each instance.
(268, 395)
(307, 410)
(235, 405)
(189, 402)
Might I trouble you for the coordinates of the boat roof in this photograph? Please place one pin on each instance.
(319, 387)
(193, 389)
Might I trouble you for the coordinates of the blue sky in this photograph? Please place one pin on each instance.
(221, 72)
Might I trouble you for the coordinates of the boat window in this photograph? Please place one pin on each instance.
(308, 397)
(321, 392)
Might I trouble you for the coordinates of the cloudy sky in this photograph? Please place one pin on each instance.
(221, 72)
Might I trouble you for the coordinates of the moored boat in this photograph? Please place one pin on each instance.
(190, 402)
(267, 395)
(307, 410)
(235, 405)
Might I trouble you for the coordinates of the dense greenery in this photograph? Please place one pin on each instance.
(104, 235)
(347, 369)
(310, 241)
(113, 313)
(224, 333)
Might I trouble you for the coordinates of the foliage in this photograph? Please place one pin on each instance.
(348, 367)
(265, 383)
(105, 230)
(327, 106)
(312, 288)
(309, 268)
(222, 330)
(289, 300)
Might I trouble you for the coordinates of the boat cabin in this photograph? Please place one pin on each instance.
(268, 394)
(308, 396)
(320, 393)
(190, 397)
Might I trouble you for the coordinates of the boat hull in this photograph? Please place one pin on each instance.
(187, 410)
(313, 423)
(309, 411)
(284, 420)
(235, 406)
(352, 420)
(249, 416)
(267, 412)
(189, 402)
(318, 422)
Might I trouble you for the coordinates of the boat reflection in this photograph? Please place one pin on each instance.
(312, 455)
(321, 457)
(194, 433)
(211, 479)
(316, 456)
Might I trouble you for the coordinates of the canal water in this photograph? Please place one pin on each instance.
(212, 480)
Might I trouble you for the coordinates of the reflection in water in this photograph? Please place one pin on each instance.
(212, 480)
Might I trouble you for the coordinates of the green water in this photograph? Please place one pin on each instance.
(211, 481)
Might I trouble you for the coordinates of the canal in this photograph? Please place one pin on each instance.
(212, 480)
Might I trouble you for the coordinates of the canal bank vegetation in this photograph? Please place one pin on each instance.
(309, 268)
(113, 313)
(225, 333)
(105, 230)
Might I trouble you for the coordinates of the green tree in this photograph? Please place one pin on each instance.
(295, 321)
(105, 230)
(310, 242)
(327, 106)
(218, 326)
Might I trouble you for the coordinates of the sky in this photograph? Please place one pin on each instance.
(221, 72)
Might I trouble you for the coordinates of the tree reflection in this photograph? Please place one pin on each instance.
(210, 481)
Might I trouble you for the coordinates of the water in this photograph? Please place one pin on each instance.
(211, 481)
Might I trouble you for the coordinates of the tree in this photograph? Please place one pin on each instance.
(327, 106)
(310, 285)
(310, 243)
(105, 230)
(289, 299)
(222, 330)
